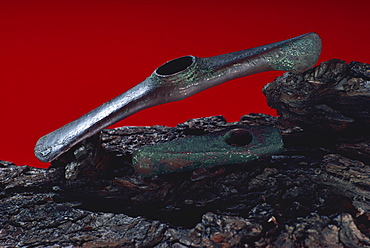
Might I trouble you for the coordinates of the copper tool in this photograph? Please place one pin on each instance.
(179, 79)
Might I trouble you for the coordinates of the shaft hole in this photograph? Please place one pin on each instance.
(175, 66)
(238, 137)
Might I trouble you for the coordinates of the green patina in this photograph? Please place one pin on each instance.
(191, 76)
(296, 55)
(207, 151)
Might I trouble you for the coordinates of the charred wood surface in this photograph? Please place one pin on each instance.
(315, 194)
(333, 96)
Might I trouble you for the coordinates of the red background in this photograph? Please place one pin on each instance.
(60, 59)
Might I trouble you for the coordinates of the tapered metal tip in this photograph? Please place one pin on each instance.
(297, 54)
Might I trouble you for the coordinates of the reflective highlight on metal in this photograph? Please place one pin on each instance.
(179, 79)
(236, 145)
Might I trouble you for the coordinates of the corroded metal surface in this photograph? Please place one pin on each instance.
(179, 79)
(235, 145)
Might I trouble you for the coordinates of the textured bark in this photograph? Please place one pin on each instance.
(315, 194)
(334, 96)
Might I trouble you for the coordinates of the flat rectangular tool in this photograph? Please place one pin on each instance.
(234, 145)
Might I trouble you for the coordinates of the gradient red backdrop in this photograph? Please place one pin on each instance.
(60, 59)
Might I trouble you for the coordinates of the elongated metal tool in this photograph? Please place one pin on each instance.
(234, 145)
(179, 79)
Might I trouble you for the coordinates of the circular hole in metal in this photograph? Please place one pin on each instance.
(175, 66)
(238, 137)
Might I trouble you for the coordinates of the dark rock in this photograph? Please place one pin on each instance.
(314, 194)
(332, 96)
